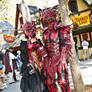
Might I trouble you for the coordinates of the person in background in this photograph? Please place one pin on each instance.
(2, 75)
(10, 65)
(85, 45)
(19, 60)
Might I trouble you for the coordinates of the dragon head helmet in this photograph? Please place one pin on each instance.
(29, 29)
(48, 17)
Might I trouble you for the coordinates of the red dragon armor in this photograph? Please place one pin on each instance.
(58, 45)
(31, 52)
(35, 49)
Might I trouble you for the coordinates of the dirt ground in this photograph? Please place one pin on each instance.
(88, 88)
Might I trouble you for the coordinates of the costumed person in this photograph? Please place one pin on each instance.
(57, 41)
(31, 52)
(10, 65)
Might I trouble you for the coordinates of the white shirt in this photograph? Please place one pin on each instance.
(11, 56)
(85, 45)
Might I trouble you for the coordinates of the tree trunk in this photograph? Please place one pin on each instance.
(74, 66)
(75, 71)
(64, 13)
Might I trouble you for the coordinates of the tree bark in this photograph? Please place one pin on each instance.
(64, 13)
(74, 66)
(75, 71)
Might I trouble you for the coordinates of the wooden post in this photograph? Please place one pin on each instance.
(16, 20)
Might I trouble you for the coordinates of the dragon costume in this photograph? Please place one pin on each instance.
(57, 42)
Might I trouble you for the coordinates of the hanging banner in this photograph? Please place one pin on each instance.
(9, 38)
(82, 20)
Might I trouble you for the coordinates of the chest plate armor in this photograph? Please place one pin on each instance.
(52, 42)
(32, 53)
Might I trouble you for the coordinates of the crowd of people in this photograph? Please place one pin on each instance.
(9, 67)
(38, 61)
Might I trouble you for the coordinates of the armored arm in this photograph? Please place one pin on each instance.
(66, 39)
(41, 49)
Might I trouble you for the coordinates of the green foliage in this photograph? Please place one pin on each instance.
(3, 18)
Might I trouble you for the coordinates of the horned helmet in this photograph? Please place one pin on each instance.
(29, 29)
(48, 17)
